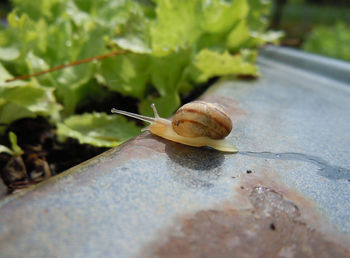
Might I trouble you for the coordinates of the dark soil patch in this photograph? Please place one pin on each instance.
(44, 155)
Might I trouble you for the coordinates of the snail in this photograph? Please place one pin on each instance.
(195, 124)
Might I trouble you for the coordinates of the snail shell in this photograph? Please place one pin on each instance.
(201, 118)
(195, 124)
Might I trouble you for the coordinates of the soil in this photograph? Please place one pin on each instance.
(44, 155)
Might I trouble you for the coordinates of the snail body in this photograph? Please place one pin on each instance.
(195, 124)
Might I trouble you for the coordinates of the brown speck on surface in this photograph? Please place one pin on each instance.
(242, 187)
(272, 226)
(229, 232)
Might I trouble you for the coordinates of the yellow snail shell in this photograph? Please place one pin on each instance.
(195, 124)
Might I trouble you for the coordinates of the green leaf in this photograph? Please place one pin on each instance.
(209, 64)
(38, 8)
(72, 82)
(8, 53)
(198, 23)
(259, 39)
(35, 99)
(4, 75)
(132, 27)
(10, 112)
(36, 64)
(126, 74)
(238, 35)
(219, 16)
(177, 25)
(27, 34)
(133, 44)
(17, 151)
(98, 129)
(258, 14)
(4, 149)
(167, 71)
(20, 99)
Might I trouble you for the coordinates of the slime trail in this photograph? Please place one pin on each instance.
(325, 169)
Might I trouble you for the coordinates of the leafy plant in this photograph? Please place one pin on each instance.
(15, 150)
(172, 46)
(333, 41)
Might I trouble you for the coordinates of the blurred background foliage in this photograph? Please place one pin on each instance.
(317, 26)
(170, 49)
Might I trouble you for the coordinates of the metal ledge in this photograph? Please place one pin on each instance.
(150, 197)
(323, 66)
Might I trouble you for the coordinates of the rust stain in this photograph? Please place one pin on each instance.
(277, 222)
(267, 177)
(269, 229)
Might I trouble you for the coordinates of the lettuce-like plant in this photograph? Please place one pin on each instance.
(170, 48)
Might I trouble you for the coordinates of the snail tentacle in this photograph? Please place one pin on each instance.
(153, 106)
(137, 116)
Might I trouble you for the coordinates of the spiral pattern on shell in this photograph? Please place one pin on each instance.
(201, 118)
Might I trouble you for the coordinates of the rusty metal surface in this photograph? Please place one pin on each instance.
(269, 229)
(286, 193)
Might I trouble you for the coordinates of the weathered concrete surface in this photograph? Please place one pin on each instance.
(286, 193)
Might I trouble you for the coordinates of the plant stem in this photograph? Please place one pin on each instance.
(56, 68)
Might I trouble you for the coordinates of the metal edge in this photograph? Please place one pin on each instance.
(337, 69)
